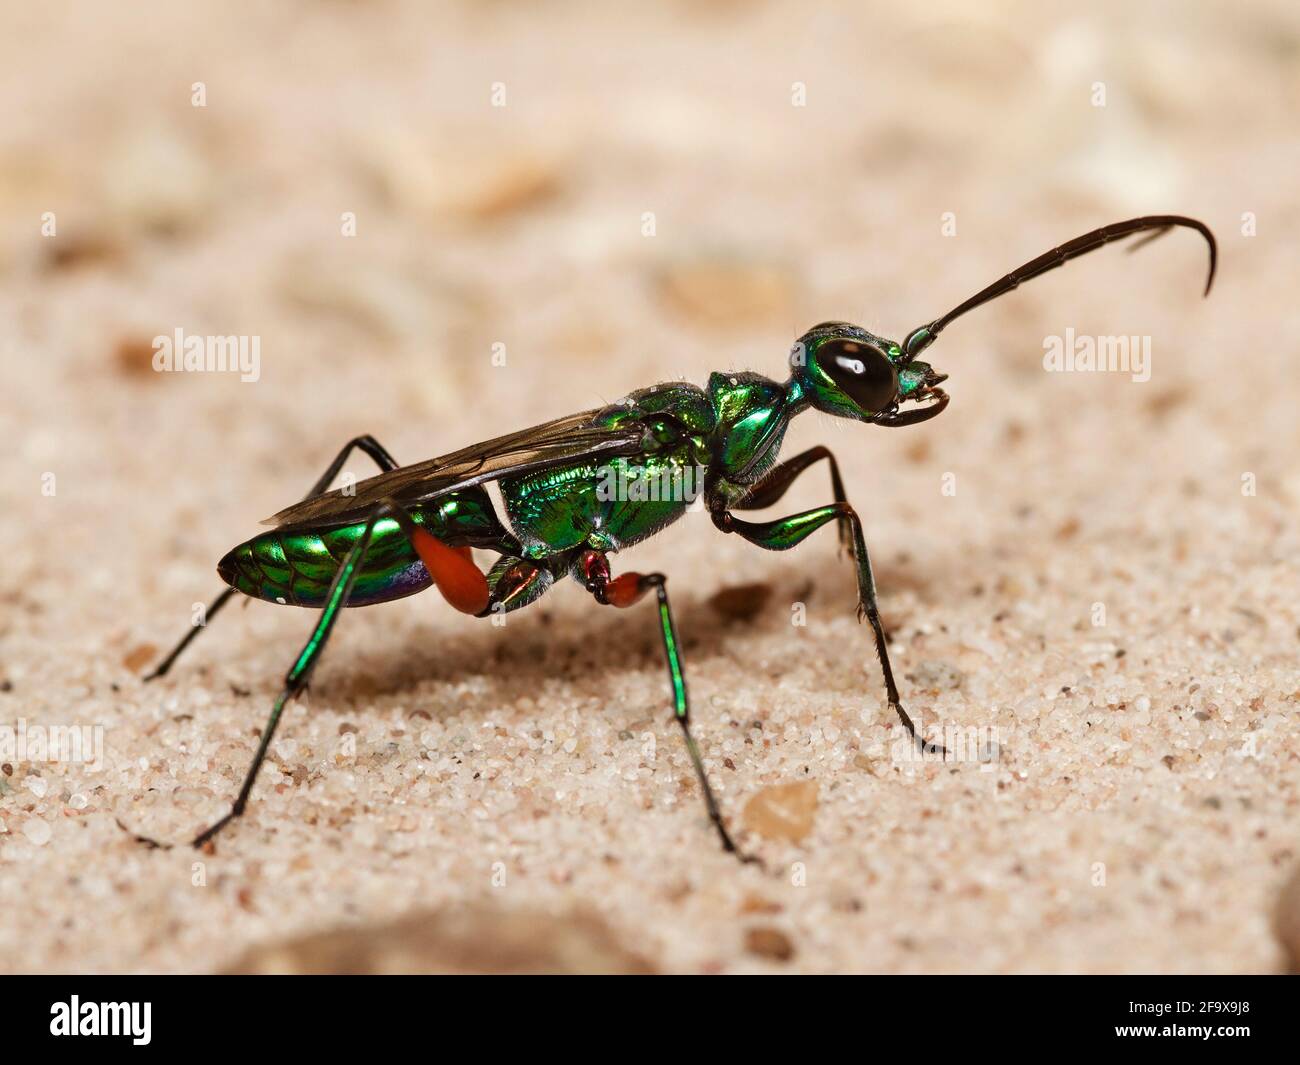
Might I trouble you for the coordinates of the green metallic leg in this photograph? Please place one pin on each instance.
(299, 673)
(785, 533)
(371, 447)
(777, 481)
(623, 591)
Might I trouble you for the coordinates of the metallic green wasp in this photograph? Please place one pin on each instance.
(580, 489)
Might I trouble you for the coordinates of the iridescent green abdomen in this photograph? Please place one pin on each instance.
(296, 566)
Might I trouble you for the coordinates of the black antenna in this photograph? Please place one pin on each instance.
(922, 337)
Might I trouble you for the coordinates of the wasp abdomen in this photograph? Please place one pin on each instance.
(296, 566)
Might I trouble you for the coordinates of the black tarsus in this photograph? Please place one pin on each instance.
(213, 609)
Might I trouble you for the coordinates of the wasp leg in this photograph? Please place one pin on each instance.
(623, 591)
(371, 447)
(777, 481)
(785, 533)
(446, 564)
(513, 583)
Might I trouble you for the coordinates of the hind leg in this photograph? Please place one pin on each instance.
(460, 582)
(371, 447)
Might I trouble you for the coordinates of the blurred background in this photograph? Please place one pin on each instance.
(447, 221)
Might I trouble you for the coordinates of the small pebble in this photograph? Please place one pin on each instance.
(769, 943)
(139, 657)
(783, 811)
(133, 357)
(741, 602)
(37, 830)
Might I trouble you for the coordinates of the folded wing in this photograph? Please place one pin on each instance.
(565, 440)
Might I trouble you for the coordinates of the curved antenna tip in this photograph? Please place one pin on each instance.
(1204, 230)
(1151, 226)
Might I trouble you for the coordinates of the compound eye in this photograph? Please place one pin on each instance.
(862, 372)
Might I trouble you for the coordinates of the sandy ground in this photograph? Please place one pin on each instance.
(1102, 572)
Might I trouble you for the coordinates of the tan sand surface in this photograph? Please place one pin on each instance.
(1101, 571)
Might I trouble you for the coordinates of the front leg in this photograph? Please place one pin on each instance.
(782, 534)
(777, 481)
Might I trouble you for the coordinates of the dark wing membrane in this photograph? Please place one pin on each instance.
(564, 440)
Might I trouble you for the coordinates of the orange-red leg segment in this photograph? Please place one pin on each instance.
(461, 582)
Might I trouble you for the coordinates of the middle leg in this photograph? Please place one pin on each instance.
(623, 591)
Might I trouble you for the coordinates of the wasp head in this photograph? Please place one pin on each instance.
(844, 370)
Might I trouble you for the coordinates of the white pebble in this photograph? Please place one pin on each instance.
(37, 831)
